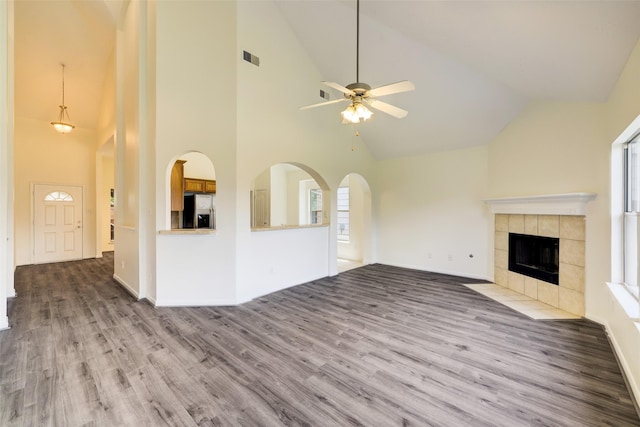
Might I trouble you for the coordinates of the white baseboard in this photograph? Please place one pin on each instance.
(4, 323)
(126, 287)
(431, 270)
(194, 303)
(622, 360)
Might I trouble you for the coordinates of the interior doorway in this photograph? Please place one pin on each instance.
(353, 223)
(57, 223)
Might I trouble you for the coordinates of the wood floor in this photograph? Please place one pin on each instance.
(375, 346)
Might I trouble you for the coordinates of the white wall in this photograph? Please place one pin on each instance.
(198, 166)
(130, 60)
(195, 98)
(278, 259)
(279, 195)
(430, 213)
(272, 130)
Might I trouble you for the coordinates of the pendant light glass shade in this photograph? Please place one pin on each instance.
(63, 124)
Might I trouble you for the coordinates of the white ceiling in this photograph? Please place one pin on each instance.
(475, 64)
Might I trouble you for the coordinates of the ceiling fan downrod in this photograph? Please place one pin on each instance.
(357, 41)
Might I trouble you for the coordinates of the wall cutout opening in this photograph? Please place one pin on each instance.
(289, 195)
(193, 192)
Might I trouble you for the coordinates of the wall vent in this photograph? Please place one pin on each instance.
(249, 57)
(324, 94)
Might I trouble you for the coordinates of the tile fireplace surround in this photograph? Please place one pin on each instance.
(568, 295)
(561, 216)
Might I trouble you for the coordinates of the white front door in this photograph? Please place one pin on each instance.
(57, 223)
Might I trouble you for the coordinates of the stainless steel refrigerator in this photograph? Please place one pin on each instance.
(199, 211)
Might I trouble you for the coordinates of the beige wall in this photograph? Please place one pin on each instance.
(555, 148)
(7, 265)
(624, 102)
(43, 156)
(551, 148)
(430, 213)
(107, 119)
(622, 108)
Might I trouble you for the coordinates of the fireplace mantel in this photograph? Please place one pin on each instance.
(549, 204)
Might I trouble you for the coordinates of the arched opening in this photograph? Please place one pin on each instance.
(193, 189)
(289, 195)
(353, 223)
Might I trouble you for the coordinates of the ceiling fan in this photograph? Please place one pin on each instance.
(360, 94)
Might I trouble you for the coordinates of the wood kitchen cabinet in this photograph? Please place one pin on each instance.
(209, 186)
(177, 186)
(193, 185)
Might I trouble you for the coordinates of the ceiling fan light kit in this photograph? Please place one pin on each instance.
(356, 113)
(63, 125)
(361, 95)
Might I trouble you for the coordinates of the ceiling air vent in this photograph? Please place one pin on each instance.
(251, 58)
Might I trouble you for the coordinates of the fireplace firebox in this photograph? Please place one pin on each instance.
(534, 256)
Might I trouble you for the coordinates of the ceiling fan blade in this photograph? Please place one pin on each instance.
(403, 86)
(335, 101)
(340, 88)
(388, 108)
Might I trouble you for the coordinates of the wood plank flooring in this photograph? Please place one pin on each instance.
(375, 346)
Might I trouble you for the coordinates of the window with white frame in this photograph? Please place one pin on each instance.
(343, 214)
(631, 223)
(315, 206)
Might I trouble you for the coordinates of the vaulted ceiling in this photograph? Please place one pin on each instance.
(476, 64)
(80, 34)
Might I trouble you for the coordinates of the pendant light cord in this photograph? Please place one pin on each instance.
(63, 85)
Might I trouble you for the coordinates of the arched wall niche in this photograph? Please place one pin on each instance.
(289, 194)
(191, 188)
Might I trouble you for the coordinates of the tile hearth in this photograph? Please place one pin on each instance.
(523, 304)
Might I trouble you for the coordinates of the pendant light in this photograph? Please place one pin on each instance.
(61, 125)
